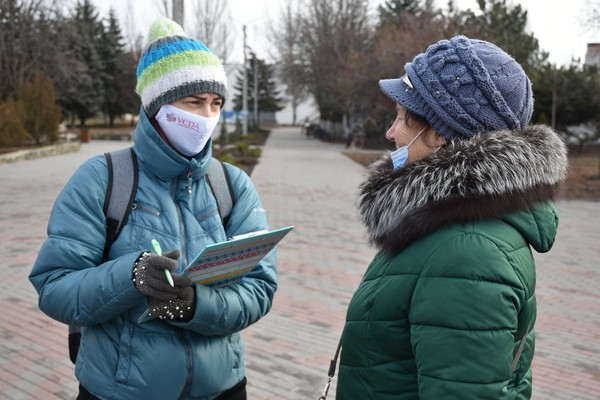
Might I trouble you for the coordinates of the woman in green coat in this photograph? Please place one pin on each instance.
(447, 308)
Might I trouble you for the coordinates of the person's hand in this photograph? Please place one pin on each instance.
(181, 308)
(150, 279)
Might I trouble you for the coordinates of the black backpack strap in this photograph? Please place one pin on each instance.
(120, 193)
(219, 183)
(74, 341)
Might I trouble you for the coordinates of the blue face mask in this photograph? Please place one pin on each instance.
(400, 155)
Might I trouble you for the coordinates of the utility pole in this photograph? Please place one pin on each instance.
(255, 109)
(554, 98)
(178, 12)
(245, 91)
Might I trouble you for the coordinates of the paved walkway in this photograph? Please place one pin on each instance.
(311, 185)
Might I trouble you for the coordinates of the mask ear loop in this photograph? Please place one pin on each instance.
(415, 138)
(439, 147)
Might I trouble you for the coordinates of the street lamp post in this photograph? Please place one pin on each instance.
(255, 94)
(245, 77)
(245, 91)
(178, 13)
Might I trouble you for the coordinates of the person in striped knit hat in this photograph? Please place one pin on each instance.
(183, 85)
(193, 350)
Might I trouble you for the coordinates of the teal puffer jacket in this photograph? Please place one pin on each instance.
(444, 305)
(119, 358)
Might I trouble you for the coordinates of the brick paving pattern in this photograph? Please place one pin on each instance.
(311, 185)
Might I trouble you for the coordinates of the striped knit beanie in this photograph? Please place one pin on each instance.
(173, 66)
(464, 87)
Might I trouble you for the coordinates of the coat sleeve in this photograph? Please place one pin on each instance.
(73, 286)
(230, 309)
(464, 317)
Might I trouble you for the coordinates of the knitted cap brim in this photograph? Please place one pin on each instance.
(409, 97)
(399, 91)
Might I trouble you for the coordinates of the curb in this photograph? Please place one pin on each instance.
(40, 152)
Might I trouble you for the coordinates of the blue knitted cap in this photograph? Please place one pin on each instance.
(464, 87)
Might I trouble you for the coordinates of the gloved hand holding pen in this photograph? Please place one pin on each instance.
(150, 279)
(174, 299)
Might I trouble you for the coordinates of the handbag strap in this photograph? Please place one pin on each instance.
(520, 349)
(331, 372)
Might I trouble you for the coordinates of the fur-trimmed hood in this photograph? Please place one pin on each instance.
(485, 177)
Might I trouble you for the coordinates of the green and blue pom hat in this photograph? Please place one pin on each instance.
(173, 66)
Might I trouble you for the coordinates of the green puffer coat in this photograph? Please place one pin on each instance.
(443, 306)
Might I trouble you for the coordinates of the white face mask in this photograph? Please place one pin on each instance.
(186, 131)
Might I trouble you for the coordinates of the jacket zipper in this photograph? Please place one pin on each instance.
(186, 345)
(180, 219)
(144, 208)
(188, 357)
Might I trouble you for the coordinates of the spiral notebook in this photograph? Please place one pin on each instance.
(224, 263)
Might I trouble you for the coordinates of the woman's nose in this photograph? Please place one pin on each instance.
(205, 110)
(389, 135)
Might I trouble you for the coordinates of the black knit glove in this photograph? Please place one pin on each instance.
(150, 279)
(181, 308)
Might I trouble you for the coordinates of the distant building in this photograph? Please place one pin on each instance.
(305, 110)
(592, 56)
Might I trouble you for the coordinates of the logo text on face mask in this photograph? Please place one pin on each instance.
(186, 132)
(183, 122)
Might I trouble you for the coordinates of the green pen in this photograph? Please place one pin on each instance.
(158, 251)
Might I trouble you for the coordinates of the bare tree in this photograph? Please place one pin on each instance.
(210, 22)
(21, 47)
(330, 33)
(134, 40)
(207, 20)
(285, 36)
(164, 8)
(592, 16)
(178, 12)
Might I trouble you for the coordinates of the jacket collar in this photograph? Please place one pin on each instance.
(488, 176)
(161, 160)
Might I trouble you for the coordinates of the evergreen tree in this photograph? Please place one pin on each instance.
(269, 99)
(85, 99)
(111, 51)
(575, 92)
(119, 72)
(391, 10)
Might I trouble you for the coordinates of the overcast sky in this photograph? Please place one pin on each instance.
(557, 24)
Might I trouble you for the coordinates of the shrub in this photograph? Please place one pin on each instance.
(42, 114)
(12, 128)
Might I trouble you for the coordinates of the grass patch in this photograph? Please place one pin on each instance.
(243, 152)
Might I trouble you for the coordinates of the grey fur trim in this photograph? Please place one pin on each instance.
(483, 177)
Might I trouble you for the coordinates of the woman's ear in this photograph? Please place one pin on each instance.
(439, 140)
(434, 139)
